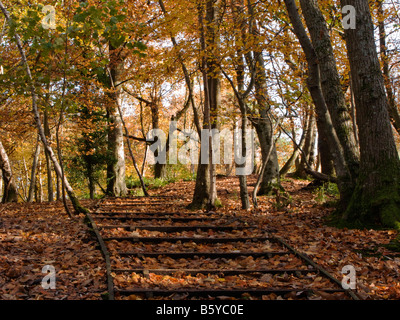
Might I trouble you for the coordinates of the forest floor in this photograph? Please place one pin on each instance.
(35, 235)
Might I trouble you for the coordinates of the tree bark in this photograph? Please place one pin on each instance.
(263, 124)
(327, 165)
(264, 129)
(309, 143)
(91, 180)
(33, 171)
(58, 187)
(345, 184)
(116, 184)
(47, 132)
(331, 85)
(25, 184)
(39, 196)
(244, 193)
(213, 76)
(160, 169)
(392, 106)
(376, 198)
(241, 94)
(10, 188)
(205, 193)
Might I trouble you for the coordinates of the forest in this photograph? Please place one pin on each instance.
(263, 134)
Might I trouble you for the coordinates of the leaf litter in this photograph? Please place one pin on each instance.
(35, 235)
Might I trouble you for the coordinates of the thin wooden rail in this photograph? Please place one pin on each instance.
(224, 272)
(188, 239)
(106, 254)
(209, 255)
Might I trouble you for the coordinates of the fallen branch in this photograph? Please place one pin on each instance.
(137, 139)
(321, 176)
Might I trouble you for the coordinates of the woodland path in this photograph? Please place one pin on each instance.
(157, 249)
(162, 249)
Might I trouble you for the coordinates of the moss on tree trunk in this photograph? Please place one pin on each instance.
(376, 198)
(76, 204)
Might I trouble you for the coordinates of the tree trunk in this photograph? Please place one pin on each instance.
(240, 25)
(160, 169)
(376, 198)
(264, 126)
(48, 161)
(309, 143)
(214, 85)
(25, 183)
(331, 85)
(353, 113)
(327, 165)
(92, 181)
(33, 171)
(312, 159)
(10, 188)
(40, 185)
(393, 110)
(345, 184)
(206, 189)
(116, 184)
(244, 193)
(59, 192)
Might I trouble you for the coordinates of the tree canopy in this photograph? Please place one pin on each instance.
(89, 80)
